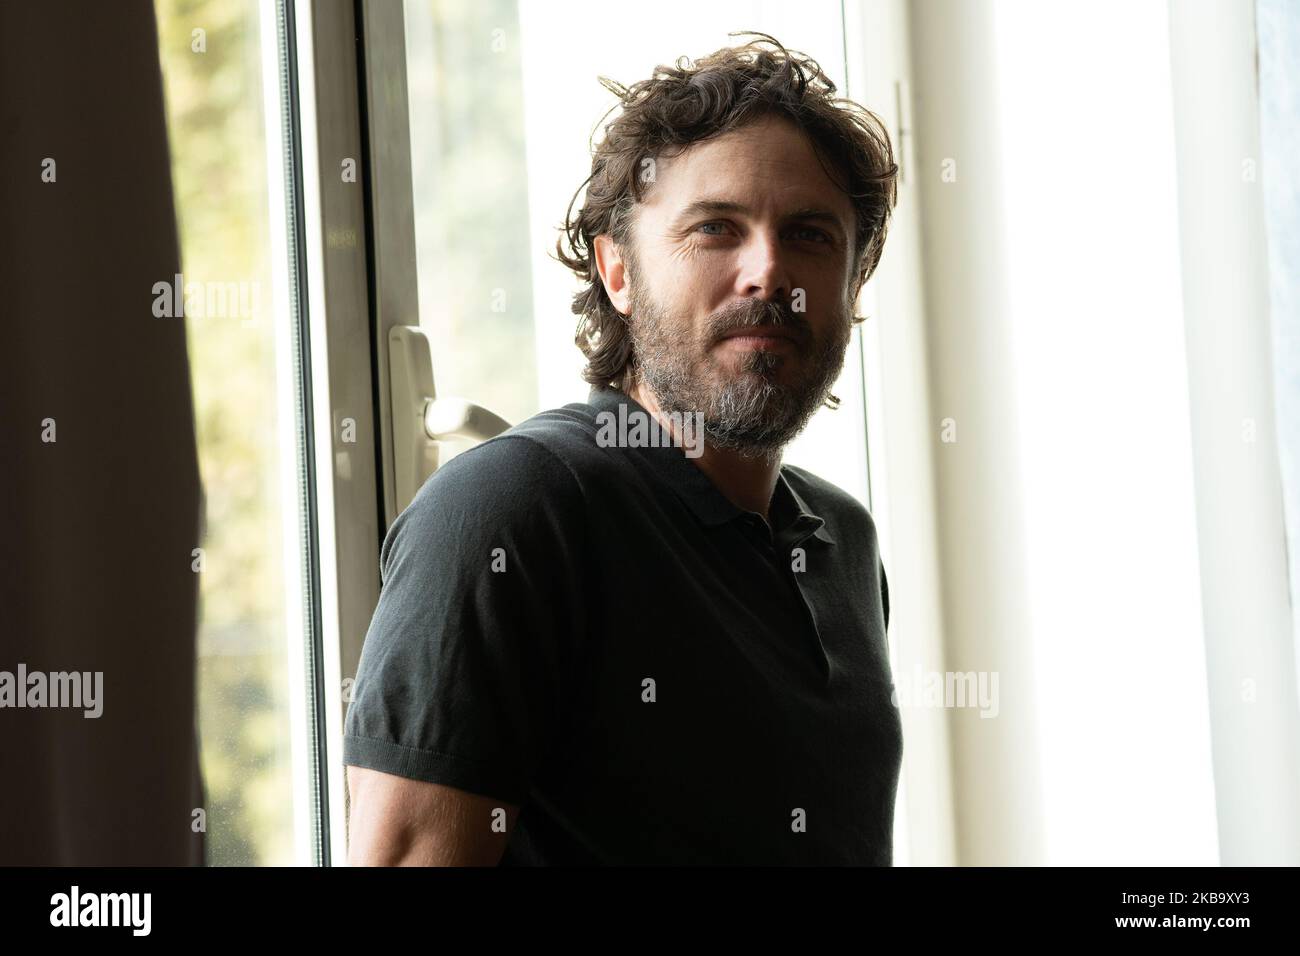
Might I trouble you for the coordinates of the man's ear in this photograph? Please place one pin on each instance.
(613, 272)
(855, 292)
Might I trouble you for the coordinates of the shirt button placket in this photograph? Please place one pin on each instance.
(792, 576)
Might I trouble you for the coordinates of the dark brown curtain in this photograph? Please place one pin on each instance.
(98, 525)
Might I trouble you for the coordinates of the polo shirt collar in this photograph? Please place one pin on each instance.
(710, 506)
(805, 520)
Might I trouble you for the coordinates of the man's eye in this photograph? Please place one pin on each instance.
(707, 225)
(805, 232)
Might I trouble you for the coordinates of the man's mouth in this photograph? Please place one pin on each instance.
(764, 338)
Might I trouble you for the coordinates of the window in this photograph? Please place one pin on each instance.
(223, 80)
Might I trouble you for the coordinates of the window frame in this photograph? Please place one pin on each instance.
(347, 424)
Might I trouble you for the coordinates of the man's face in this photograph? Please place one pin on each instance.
(738, 284)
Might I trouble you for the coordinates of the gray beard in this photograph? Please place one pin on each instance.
(751, 412)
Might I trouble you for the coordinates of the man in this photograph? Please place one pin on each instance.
(601, 640)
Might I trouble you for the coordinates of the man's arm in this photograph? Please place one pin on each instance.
(396, 821)
(466, 676)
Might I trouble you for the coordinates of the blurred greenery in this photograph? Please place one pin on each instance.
(218, 145)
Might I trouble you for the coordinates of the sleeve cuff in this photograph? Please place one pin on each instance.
(473, 776)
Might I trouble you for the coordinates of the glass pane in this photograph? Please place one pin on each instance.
(222, 84)
(469, 177)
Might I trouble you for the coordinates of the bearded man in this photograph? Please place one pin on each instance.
(618, 652)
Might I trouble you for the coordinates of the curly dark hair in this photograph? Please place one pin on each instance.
(694, 101)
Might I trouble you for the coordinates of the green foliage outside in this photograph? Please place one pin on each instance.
(215, 129)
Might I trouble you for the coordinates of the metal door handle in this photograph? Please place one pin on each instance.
(446, 418)
(420, 418)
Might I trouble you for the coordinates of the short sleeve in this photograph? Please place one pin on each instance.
(463, 672)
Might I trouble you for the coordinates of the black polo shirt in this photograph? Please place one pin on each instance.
(651, 673)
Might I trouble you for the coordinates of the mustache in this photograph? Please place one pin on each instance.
(755, 312)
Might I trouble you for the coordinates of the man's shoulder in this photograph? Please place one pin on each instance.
(567, 432)
(543, 455)
(557, 436)
(521, 485)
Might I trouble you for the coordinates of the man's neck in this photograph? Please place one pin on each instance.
(748, 483)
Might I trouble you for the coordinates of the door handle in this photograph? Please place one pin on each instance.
(421, 419)
(446, 418)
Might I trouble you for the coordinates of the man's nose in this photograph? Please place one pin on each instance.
(763, 271)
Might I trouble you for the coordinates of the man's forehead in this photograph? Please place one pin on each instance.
(692, 181)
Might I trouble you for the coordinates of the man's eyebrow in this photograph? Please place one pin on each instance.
(718, 206)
